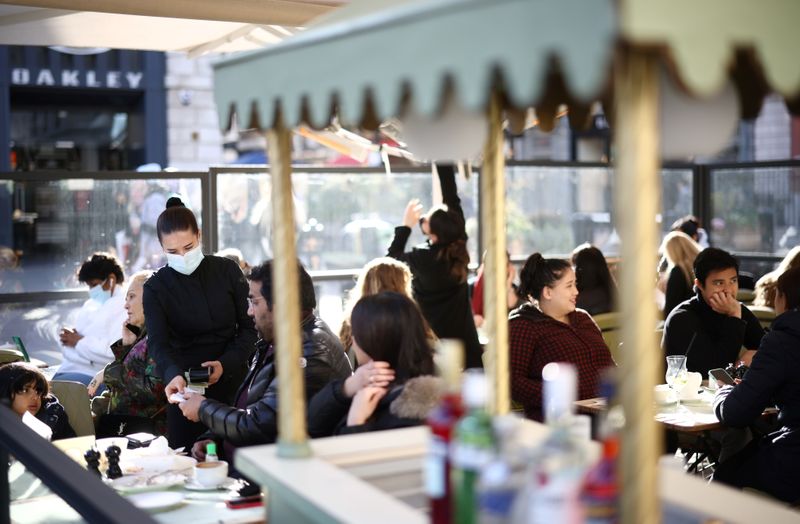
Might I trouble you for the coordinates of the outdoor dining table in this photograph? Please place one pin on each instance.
(32, 502)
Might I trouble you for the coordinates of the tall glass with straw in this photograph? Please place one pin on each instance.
(677, 376)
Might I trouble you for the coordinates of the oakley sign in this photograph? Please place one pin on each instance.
(74, 78)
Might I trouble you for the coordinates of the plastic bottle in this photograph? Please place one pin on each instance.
(442, 421)
(554, 479)
(501, 479)
(211, 452)
(472, 448)
(600, 497)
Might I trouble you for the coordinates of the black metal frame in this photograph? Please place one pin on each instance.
(701, 204)
(83, 491)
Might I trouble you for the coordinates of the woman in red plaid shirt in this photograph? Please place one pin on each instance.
(549, 328)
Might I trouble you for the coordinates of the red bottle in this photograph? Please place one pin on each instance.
(441, 421)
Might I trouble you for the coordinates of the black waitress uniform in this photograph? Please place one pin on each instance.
(193, 319)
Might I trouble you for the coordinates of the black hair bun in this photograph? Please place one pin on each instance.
(174, 202)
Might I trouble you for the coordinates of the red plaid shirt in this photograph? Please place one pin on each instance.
(536, 339)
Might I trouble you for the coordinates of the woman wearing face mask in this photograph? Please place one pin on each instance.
(439, 267)
(549, 328)
(195, 312)
(86, 346)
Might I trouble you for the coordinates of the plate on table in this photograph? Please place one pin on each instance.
(144, 483)
(156, 500)
(193, 485)
(698, 401)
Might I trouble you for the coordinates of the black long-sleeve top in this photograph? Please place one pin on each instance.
(195, 318)
(677, 291)
(443, 299)
(719, 337)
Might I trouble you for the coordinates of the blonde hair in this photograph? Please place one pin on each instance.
(140, 275)
(766, 285)
(380, 274)
(680, 250)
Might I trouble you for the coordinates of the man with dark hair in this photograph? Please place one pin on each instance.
(714, 322)
(86, 346)
(253, 419)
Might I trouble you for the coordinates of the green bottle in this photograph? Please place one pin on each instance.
(472, 447)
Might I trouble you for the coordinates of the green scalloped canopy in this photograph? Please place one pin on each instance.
(366, 67)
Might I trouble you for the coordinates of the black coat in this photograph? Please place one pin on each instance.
(324, 360)
(719, 337)
(195, 318)
(773, 463)
(403, 406)
(443, 299)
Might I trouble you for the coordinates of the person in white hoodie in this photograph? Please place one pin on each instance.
(86, 347)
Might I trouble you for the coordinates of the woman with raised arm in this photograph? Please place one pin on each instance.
(195, 311)
(439, 266)
(549, 328)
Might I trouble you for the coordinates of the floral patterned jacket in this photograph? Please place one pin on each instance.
(133, 386)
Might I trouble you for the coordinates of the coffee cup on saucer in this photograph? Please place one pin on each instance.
(663, 394)
(211, 474)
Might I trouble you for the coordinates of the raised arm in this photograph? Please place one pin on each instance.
(447, 181)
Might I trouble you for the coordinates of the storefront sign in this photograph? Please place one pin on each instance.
(22, 76)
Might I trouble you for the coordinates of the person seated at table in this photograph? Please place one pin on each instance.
(253, 419)
(549, 328)
(24, 388)
(86, 347)
(134, 399)
(512, 291)
(772, 463)
(680, 251)
(380, 274)
(715, 324)
(765, 287)
(596, 287)
(394, 386)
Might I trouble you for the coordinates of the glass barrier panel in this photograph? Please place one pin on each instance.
(49, 227)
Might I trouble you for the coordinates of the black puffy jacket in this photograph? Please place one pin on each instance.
(324, 360)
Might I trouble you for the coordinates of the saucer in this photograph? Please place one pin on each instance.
(193, 485)
(156, 500)
(144, 483)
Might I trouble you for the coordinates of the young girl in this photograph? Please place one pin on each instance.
(25, 388)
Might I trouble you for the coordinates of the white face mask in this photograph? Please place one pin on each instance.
(186, 263)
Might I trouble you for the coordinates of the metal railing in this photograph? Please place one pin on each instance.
(80, 489)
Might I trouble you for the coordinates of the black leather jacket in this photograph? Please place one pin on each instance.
(324, 360)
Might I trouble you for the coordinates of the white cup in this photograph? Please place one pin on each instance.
(691, 390)
(663, 394)
(211, 474)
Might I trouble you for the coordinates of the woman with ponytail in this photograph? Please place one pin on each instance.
(439, 266)
(196, 316)
(548, 327)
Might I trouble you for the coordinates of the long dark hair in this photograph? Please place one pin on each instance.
(176, 217)
(539, 272)
(450, 231)
(16, 375)
(789, 286)
(389, 327)
(591, 270)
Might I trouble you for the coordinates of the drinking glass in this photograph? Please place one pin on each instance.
(677, 376)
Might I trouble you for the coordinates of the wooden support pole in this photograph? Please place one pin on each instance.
(292, 439)
(637, 203)
(493, 220)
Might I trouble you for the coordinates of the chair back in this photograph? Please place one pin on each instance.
(609, 327)
(8, 355)
(75, 399)
(764, 314)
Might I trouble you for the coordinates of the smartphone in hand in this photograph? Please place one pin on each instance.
(722, 377)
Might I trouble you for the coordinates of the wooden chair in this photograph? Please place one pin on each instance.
(75, 399)
(8, 355)
(609, 327)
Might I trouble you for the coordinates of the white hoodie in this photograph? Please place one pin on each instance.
(101, 326)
